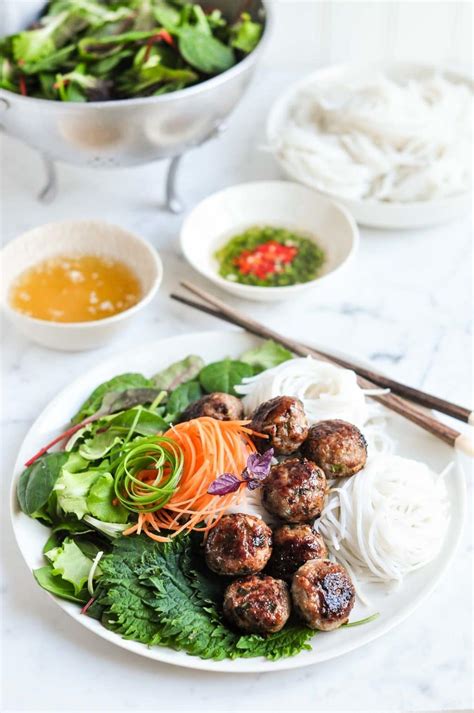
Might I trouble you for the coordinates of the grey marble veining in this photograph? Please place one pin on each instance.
(406, 305)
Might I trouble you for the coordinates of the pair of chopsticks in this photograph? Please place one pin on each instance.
(404, 400)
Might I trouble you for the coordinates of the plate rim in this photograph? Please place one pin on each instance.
(251, 665)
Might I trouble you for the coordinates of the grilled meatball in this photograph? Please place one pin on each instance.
(295, 490)
(222, 407)
(239, 544)
(284, 421)
(293, 545)
(257, 604)
(338, 447)
(323, 594)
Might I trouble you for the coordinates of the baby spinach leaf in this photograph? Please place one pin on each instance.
(58, 586)
(266, 356)
(119, 383)
(36, 483)
(100, 501)
(224, 375)
(178, 373)
(148, 423)
(204, 52)
(181, 397)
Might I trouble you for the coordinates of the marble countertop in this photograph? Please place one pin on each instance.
(405, 305)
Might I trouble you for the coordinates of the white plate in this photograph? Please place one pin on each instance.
(377, 214)
(148, 359)
(279, 204)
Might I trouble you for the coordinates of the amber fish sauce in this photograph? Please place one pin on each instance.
(80, 288)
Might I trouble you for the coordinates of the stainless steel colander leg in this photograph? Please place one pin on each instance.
(172, 201)
(50, 188)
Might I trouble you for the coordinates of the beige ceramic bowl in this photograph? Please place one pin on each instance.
(76, 237)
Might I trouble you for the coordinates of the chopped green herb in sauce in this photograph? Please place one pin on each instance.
(269, 257)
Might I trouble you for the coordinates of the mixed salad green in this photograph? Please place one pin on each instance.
(152, 592)
(95, 50)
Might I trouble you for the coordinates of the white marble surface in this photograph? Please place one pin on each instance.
(405, 305)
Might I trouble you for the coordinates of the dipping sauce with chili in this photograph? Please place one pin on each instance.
(75, 289)
(269, 257)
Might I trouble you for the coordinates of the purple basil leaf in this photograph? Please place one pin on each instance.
(224, 484)
(258, 465)
(253, 484)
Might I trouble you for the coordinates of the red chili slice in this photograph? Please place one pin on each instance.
(266, 259)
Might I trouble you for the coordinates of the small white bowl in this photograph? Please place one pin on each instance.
(373, 213)
(279, 204)
(76, 237)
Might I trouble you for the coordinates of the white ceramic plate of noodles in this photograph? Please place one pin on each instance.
(149, 358)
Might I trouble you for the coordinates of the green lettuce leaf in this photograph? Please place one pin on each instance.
(99, 445)
(71, 564)
(72, 490)
(100, 501)
(57, 585)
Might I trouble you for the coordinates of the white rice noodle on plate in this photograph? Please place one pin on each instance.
(386, 521)
(326, 391)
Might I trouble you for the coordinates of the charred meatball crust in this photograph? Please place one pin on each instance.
(323, 594)
(284, 421)
(338, 447)
(258, 604)
(295, 490)
(220, 406)
(239, 544)
(293, 545)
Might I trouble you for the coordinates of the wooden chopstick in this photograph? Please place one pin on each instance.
(395, 403)
(422, 398)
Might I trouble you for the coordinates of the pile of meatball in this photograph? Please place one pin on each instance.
(275, 571)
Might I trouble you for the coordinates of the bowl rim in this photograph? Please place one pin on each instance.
(338, 69)
(286, 289)
(194, 89)
(93, 323)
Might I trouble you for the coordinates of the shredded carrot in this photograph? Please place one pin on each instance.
(210, 448)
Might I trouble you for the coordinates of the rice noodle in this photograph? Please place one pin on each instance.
(327, 391)
(374, 137)
(388, 520)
